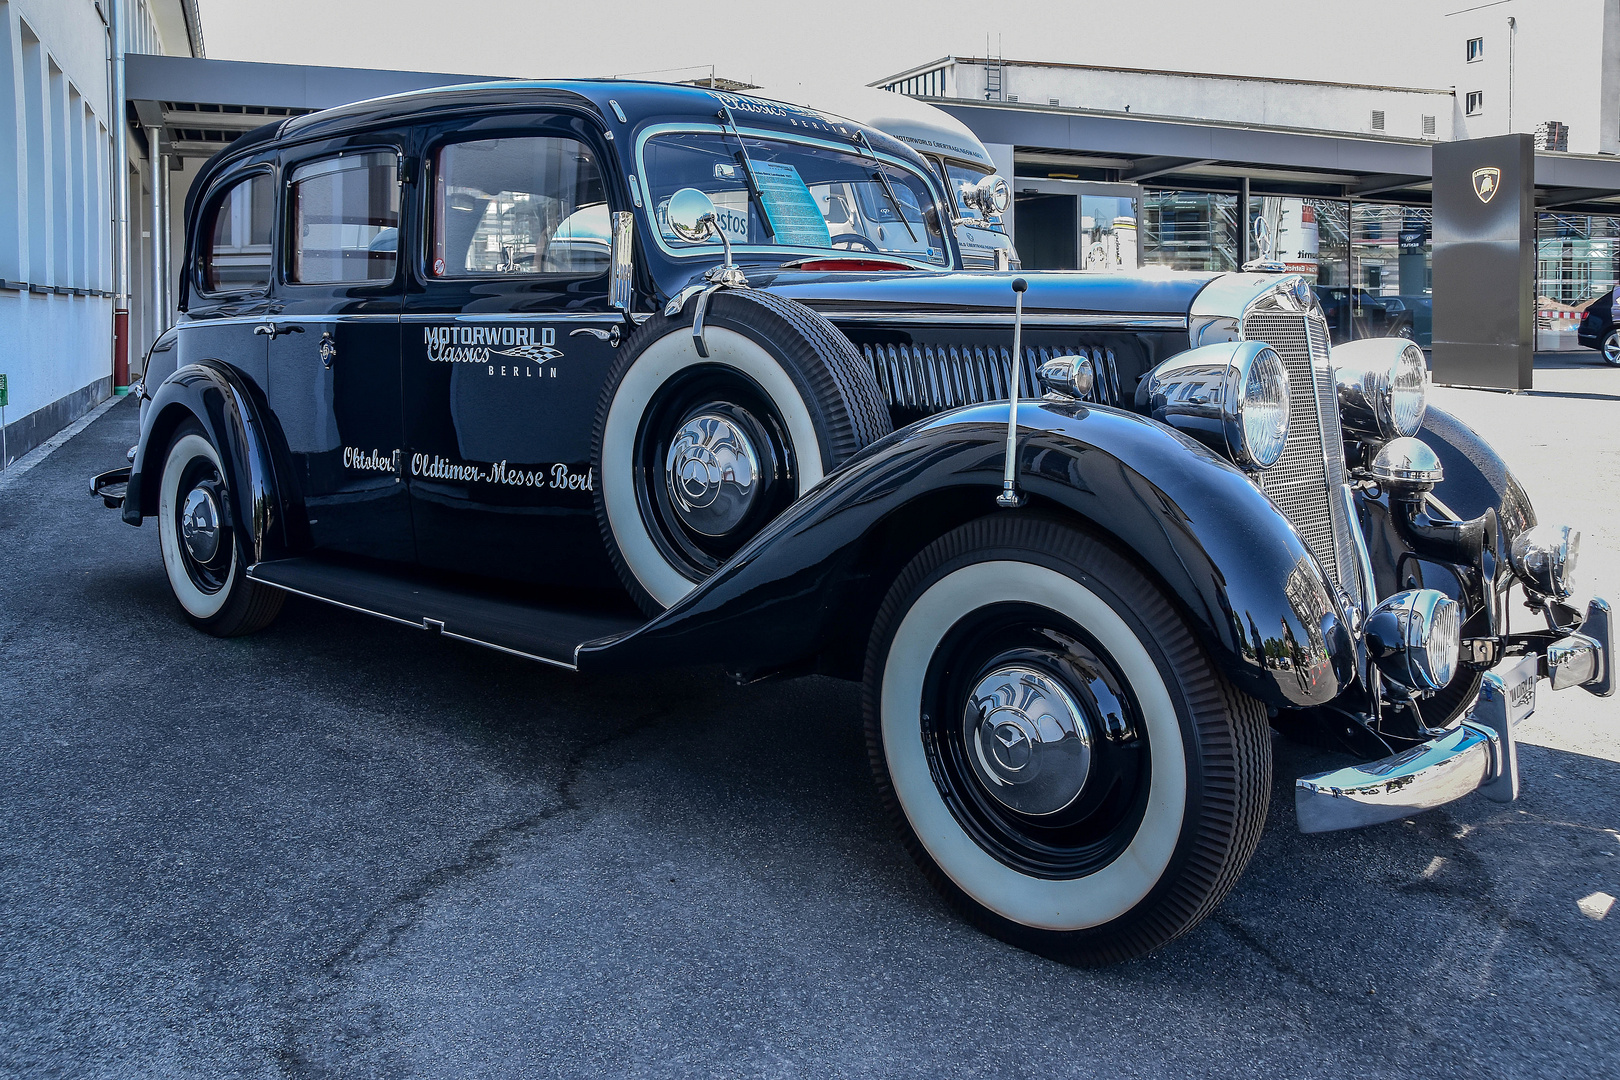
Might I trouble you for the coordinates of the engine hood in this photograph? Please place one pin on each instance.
(1051, 292)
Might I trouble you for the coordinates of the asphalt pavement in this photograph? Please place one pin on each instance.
(347, 848)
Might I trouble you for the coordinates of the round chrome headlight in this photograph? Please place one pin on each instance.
(1231, 396)
(1415, 638)
(1262, 410)
(1544, 558)
(1383, 387)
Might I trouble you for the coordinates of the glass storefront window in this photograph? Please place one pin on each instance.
(1108, 228)
(1577, 256)
(1189, 230)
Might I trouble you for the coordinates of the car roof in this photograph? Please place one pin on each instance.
(640, 103)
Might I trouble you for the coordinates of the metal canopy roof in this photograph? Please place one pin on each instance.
(202, 105)
(1169, 152)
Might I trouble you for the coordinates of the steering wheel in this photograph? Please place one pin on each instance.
(856, 238)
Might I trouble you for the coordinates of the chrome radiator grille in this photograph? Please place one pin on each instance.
(936, 377)
(1307, 481)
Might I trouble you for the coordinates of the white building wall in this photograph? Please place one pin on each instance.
(1303, 105)
(56, 209)
(1564, 60)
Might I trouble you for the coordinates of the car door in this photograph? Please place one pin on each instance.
(507, 337)
(333, 332)
(228, 291)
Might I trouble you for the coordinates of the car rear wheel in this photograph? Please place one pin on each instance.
(1611, 349)
(1062, 759)
(203, 555)
(696, 454)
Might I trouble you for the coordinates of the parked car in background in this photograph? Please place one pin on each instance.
(1600, 328)
(1358, 313)
(615, 376)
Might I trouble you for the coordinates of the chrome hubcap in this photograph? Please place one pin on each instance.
(712, 473)
(1028, 740)
(199, 524)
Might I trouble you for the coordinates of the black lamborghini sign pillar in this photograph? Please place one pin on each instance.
(1485, 262)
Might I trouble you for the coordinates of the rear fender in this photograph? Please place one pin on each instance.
(229, 409)
(808, 585)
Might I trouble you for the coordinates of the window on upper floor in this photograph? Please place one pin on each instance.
(1474, 102)
(1476, 49)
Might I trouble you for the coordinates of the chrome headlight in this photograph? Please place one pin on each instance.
(1415, 637)
(1383, 386)
(1544, 558)
(1232, 396)
(990, 196)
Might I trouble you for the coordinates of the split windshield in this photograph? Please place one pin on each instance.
(799, 197)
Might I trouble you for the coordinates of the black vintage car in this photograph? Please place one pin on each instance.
(615, 376)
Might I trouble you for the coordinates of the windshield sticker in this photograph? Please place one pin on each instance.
(790, 206)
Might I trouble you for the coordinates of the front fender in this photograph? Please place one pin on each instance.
(1236, 567)
(229, 409)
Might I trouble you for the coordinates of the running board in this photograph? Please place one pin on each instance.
(534, 627)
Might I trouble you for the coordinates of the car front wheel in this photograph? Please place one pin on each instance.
(204, 557)
(1061, 757)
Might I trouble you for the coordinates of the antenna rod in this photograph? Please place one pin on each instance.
(1010, 499)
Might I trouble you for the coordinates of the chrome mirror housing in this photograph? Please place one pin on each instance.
(692, 216)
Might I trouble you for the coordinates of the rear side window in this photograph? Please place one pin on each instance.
(235, 255)
(530, 205)
(344, 219)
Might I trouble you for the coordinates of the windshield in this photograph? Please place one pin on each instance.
(806, 197)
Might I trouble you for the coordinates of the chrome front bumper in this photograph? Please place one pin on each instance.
(1480, 754)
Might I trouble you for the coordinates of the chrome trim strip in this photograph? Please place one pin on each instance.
(425, 624)
(623, 245)
(1369, 587)
(412, 317)
(1078, 321)
(565, 665)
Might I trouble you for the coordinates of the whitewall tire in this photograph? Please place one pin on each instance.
(1060, 755)
(696, 454)
(203, 556)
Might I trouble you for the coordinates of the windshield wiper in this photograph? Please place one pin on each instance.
(754, 192)
(888, 189)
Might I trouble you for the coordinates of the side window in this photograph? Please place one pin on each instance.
(234, 253)
(529, 205)
(344, 219)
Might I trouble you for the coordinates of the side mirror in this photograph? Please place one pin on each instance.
(691, 215)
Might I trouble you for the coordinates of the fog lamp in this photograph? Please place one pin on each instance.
(1414, 637)
(1544, 559)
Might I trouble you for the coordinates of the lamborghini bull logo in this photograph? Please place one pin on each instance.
(1486, 181)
